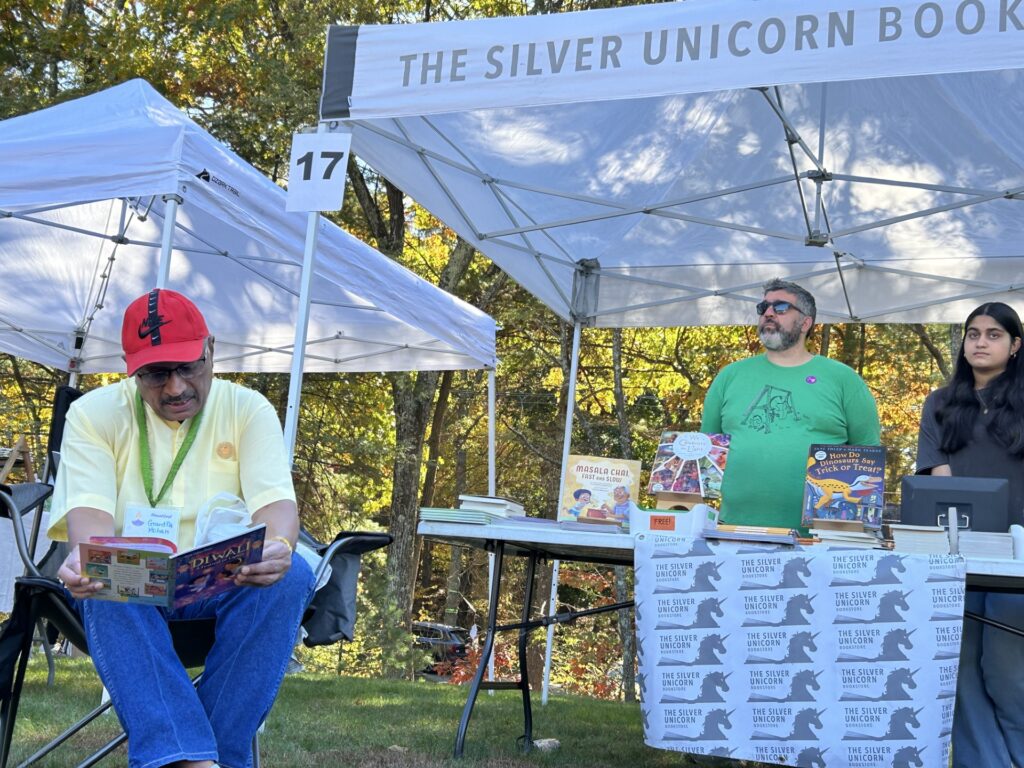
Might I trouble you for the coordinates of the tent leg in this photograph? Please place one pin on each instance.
(170, 217)
(291, 420)
(492, 485)
(570, 407)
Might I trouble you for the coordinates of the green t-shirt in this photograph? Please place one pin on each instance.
(774, 413)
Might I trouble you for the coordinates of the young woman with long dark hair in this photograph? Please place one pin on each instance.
(974, 427)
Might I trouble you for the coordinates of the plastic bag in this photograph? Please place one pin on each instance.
(226, 515)
(222, 516)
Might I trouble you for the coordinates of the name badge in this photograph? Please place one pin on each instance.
(143, 520)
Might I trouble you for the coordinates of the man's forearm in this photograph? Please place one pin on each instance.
(84, 522)
(281, 519)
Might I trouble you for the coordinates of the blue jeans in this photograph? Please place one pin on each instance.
(988, 725)
(165, 717)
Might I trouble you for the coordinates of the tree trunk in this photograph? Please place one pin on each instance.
(826, 337)
(433, 455)
(453, 592)
(412, 398)
(933, 348)
(413, 395)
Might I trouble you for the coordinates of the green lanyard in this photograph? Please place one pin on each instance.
(146, 460)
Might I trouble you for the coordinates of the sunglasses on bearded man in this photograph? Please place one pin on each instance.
(780, 307)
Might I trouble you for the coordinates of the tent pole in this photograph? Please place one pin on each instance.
(570, 407)
(291, 419)
(492, 476)
(167, 236)
(492, 489)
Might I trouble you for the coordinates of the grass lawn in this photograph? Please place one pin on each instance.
(327, 722)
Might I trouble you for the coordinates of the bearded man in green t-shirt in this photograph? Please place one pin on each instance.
(776, 405)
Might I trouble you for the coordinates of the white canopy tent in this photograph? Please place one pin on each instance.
(648, 151)
(654, 165)
(85, 190)
(106, 196)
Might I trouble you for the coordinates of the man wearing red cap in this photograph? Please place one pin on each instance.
(148, 452)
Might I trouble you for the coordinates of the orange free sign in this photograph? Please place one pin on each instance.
(663, 522)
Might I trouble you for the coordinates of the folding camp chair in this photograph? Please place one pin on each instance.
(330, 617)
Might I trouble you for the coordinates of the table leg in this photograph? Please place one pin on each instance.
(485, 654)
(524, 636)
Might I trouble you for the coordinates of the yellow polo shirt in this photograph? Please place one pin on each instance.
(238, 449)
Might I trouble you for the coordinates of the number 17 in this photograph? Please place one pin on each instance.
(306, 162)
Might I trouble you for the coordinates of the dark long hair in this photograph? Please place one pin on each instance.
(1004, 394)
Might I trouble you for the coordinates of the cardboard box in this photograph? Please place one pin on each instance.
(677, 501)
(678, 522)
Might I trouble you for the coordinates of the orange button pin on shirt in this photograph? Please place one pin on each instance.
(226, 451)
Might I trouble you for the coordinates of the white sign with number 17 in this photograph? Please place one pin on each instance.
(316, 176)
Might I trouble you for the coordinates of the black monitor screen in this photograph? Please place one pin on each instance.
(982, 503)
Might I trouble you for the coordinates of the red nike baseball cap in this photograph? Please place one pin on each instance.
(162, 327)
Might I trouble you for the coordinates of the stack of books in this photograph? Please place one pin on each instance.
(984, 544)
(468, 516)
(495, 505)
(920, 539)
(844, 533)
(753, 533)
(475, 510)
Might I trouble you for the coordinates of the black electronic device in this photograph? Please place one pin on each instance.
(981, 503)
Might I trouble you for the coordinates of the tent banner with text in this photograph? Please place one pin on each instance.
(654, 50)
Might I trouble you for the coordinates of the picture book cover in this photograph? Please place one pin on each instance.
(690, 462)
(599, 490)
(845, 482)
(146, 570)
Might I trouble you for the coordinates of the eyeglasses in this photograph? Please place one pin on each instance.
(186, 371)
(780, 307)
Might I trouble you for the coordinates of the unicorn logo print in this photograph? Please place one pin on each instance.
(707, 653)
(710, 691)
(800, 687)
(716, 722)
(795, 614)
(706, 616)
(796, 653)
(886, 569)
(806, 725)
(892, 649)
(898, 685)
(793, 574)
(900, 723)
(889, 607)
(706, 573)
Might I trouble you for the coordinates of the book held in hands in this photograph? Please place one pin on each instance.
(844, 483)
(147, 570)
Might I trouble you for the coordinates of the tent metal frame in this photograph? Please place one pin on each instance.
(517, 236)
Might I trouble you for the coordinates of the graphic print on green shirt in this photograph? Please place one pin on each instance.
(773, 407)
(774, 413)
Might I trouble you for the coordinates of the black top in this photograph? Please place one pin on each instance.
(983, 456)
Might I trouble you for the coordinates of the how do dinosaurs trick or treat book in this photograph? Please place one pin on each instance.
(844, 482)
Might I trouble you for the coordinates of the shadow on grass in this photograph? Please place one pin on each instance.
(326, 721)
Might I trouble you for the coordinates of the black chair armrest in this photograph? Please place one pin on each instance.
(15, 502)
(331, 615)
(51, 603)
(356, 543)
(25, 497)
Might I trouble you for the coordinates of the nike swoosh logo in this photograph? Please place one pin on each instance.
(145, 329)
